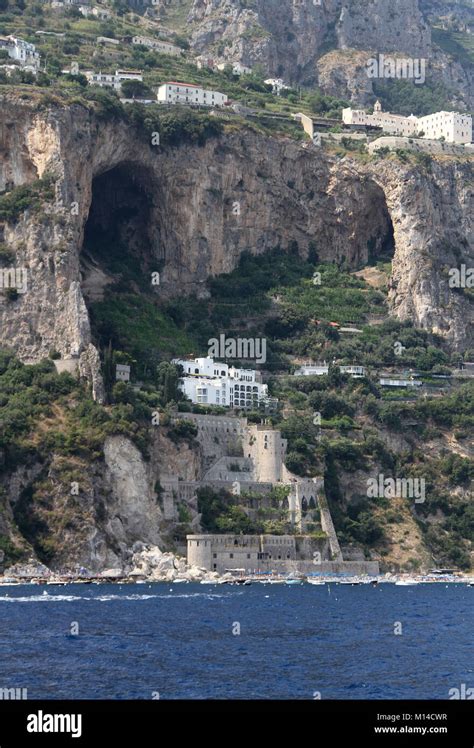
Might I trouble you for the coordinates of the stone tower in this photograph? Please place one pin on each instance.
(266, 448)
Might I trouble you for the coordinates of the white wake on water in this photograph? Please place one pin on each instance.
(47, 598)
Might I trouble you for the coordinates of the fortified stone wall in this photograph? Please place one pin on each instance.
(244, 553)
(219, 436)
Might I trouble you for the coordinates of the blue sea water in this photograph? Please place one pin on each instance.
(179, 641)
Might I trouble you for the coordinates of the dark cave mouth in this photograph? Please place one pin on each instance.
(117, 234)
(382, 249)
(381, 245)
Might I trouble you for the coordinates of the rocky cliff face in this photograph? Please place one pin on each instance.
(433, 229)
(283, 36)
(390, 27)
(201, 207)
(111, 511)
(307, 42)
(292, 32)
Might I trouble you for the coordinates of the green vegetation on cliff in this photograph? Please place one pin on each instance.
(26, 197)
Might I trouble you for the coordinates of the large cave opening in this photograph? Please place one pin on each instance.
(121, 258)
(121, 237)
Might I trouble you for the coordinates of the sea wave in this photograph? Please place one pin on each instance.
(47, 598)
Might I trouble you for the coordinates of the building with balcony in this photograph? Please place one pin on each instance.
(113, 80)
(173, 92)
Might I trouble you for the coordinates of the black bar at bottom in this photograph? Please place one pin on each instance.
(51, 723)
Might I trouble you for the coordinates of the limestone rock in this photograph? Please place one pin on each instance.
(89, 367)
(155, 566)
(29, 570)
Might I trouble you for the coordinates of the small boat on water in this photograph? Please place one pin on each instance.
(405, 582)
(349, 582)
(318, 582)
(293, 581)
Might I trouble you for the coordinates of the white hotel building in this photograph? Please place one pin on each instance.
(173, 92)
(452, 126)
(208, 382)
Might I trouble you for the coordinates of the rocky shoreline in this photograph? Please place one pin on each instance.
(146, 564)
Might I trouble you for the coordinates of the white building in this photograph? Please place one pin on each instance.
(277, 84)
(319, 370)
(312, 370)
(21, 51)
(111, 80)
(129, 75)
(388, 382)
(101, 13)
(173, 92)
(204, 63)
(208, 382)
(237, 67)
(452, 126)
(165, 48)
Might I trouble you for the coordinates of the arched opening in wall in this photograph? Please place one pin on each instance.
(121, 261)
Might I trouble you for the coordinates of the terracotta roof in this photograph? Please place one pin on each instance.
(177, 83)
